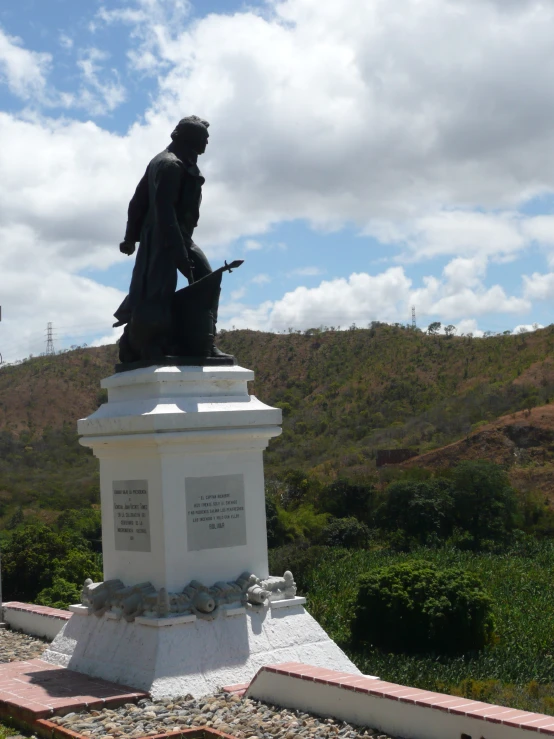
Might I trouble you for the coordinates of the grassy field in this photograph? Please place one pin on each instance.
(518, 670)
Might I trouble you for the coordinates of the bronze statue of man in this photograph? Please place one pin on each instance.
(162, 216)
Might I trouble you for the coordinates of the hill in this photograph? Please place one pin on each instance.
(521, 442)
(50, 391)
(344, 395)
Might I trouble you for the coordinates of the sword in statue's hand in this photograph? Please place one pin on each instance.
(230, 267)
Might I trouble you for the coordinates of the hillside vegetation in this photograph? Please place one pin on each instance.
(344, 395)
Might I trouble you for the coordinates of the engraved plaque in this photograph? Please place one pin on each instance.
(215, 512)
(131, 515)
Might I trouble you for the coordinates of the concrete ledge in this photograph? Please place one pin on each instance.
(288, 603)
(35, 620)
(233, 610)
(169, 621)
(80, 610)
(393, 709)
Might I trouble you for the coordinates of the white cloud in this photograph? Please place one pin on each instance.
(387, 296)
(261, 279)
(154, 24)
(26, 75)
(37, 289)
(97, 95)
(539, 286)
(360, 299)
(468, 326)
(252, 245)
(462, 232)
(373, 114)
(363, 126)
(461, 292)
(402, 131)
(238, 294)
(525, 328)
(306, 272)
(65, 41)
(23, 71)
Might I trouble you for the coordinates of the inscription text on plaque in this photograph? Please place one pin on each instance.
(215, 512)
(131, 515)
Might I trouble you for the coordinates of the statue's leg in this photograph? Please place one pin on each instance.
(202, 268)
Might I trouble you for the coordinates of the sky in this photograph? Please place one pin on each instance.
(365, 156)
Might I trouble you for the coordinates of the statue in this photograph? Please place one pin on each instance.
(161, 323)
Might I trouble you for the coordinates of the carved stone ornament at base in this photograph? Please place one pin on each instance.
(113, 597)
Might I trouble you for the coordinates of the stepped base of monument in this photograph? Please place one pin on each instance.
(196, 656)
(225, 361)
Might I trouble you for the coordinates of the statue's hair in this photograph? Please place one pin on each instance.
(190, 128)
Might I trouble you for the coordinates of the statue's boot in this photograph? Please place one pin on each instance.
(215, 352)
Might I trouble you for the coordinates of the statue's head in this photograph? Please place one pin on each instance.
(192, 131)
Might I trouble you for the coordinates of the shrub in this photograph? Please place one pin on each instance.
(345, 532)
(60, 595)
(416, 608)
(302, 523)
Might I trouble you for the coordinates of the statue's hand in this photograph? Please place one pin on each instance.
(127, 247)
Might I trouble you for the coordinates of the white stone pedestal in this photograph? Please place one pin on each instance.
(184, 435)
(182, 492)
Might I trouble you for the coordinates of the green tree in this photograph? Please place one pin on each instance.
(27, 560)
(434, 328)
(302, 523)
(348, 533)
(485, 504)
(85, 521)
(422, 509)
(343, 499)
(274, 533)
(35, 554)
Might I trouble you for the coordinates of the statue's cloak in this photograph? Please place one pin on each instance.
(163, 214)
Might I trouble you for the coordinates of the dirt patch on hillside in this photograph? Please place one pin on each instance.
(539, 373)
(522, 442)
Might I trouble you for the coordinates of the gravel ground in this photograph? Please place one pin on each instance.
(16, 647)
(240, 717)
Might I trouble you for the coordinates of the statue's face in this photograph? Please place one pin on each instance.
(202, 143)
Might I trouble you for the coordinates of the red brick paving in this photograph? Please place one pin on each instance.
(35, 689)
(238, 689)
(48, 730)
